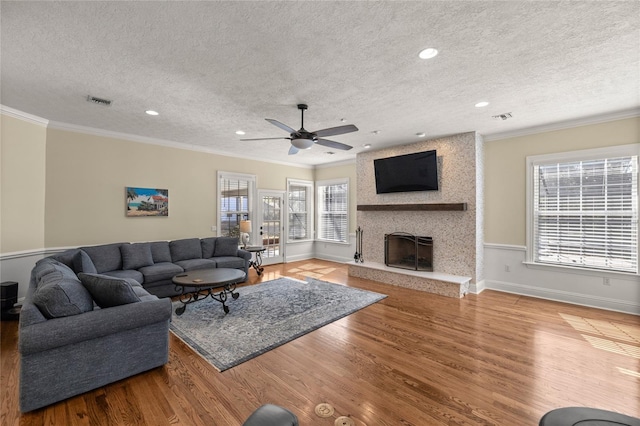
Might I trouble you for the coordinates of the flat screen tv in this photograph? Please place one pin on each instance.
(407, 173)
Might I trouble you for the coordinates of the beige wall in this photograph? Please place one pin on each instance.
(339, 172)
(22, 208)
(87, 175)
(505, 171)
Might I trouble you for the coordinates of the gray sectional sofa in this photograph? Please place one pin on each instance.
(95, 315)
(154, 264)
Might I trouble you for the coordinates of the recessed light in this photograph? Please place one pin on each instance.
(482, 104)
(239, 132)
(428, 53)
(152, 112)
(421, 134)
(367, 146)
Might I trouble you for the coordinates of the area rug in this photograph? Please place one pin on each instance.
(265, 316)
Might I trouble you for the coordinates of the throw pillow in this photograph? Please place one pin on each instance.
(226, 246)
(60, 294)
(208, 245)
(136, 256)
(83, 263)
(160, 251)
(185, 249)
(109, 291)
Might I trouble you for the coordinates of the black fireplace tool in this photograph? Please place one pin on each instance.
(358, 256)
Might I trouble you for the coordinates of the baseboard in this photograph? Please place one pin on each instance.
(339, 259)
(564, 296)
(477, 288)
(298, 257)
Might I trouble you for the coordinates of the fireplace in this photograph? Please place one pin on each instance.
(407, 251)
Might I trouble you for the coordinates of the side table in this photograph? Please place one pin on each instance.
(256, 261)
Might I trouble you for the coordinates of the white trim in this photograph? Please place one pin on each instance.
(478, 287)
(33, 252)
(565, 296)
(504, 247)
(335, 164)
(591, 272)
(14, 113)
(561, 125)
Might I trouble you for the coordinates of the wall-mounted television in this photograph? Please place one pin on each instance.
(407, 173)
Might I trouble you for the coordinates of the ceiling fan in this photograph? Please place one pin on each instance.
(303, 139)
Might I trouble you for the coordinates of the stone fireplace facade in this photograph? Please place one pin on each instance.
(457, 235)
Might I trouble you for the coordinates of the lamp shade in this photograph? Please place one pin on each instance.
(245, 226)
(302, 143)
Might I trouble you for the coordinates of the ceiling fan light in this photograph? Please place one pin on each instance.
(302, 143)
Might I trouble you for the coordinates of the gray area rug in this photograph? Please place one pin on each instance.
(265, 316)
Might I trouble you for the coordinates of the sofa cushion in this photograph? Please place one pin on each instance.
(135, 256)
(160, 251)
(83, 263)
(226, 246)
(208, 245)
(188, 248)
(160, 272)
(126, 273)
(229, 262)
(59, 292)
(110, 291)
(193, 264)
(105, 257)
(67, 257)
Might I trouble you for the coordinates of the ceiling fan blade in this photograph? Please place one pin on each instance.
(293, 150)
(263, 139)
(333, 144)
(282, 126)
(332, 131)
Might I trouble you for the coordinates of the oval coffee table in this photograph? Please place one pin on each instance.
(197, 285)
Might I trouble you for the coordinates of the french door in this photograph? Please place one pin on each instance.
(271, 225)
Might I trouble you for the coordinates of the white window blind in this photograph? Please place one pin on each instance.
(585, 213)
(333, 206)
(235, 201)
(300, 204)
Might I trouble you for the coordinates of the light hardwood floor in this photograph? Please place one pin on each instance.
(412, 359)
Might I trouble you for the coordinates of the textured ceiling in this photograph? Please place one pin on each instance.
(211, 68)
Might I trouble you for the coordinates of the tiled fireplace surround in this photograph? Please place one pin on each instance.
(457, 235)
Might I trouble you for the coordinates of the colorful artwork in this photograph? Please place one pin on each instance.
(147, 202)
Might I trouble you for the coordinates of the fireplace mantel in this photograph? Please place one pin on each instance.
(414, 207)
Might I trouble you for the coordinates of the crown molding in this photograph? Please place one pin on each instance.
(11, 112)
(561, 125)
(335, 164)
(162, 142)
(56, 125)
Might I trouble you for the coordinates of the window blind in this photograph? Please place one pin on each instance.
(333, 200)
(234, 205)
(586, 213)
(298, 198)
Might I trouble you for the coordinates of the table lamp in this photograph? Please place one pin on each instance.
(245, 230)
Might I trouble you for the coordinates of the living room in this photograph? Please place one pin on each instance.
(63, 186)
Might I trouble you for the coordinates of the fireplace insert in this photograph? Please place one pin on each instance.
(407, 251)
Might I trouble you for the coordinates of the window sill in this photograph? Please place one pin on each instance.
(582, 271)
(342, 243)
(299, 241)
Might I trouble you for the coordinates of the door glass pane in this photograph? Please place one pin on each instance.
(271, 225)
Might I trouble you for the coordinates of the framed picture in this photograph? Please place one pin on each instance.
(146, 202)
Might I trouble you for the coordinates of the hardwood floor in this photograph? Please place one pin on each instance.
(412, 359)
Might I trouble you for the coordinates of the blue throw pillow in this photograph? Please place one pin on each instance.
(109, 291)
(59, 292)
(136, 256)
(226, 246)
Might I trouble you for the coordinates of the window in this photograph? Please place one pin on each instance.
(333, 207)
(300, 205)
(583, 209)
(235, 192)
